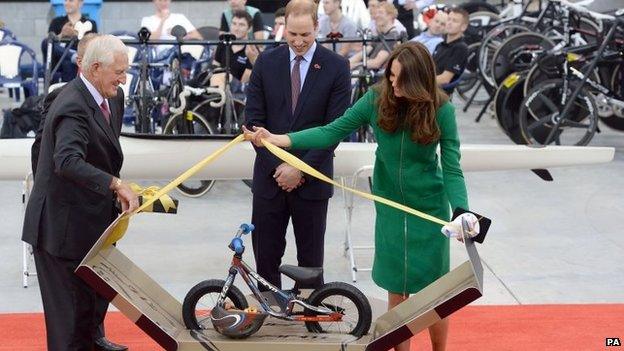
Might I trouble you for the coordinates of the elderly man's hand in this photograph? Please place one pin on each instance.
(127, 198)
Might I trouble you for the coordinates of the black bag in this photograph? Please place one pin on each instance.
(18, 122)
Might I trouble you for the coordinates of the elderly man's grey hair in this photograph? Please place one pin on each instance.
(102, 49)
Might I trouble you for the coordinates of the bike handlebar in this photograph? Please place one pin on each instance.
(197, 91)
(236, 244)
(579, 7)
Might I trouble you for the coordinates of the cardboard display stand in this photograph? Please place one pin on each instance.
(159, 314)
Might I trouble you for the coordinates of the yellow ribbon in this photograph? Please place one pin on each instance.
(150, 192)
(305, 168)
(122, 225)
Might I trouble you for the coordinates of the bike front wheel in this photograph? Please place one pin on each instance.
(203, 297)
(344, 299)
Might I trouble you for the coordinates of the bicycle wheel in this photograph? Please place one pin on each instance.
(200, 300)
(616, 83)
(489, 45)
(179, 124)
(507, 101)
(541, 108)
(344, 299)
(518, 53)
(216, 115)
(470, 78)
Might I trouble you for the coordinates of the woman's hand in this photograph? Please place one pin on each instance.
(260, 134)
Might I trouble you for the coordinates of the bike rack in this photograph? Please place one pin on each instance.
(159, 314)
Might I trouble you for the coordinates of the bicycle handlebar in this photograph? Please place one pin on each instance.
(198, 91)
(236, 244)
(579, 7)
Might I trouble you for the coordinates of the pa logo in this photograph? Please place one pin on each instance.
(613, 342)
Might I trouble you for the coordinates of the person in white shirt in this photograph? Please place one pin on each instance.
(161, 23)
(355, 10)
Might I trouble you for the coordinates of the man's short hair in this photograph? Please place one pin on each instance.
(302, 7)
(82, 44)
(281, 12)
(103, 51)
(244, 15)
(460, 10)
(389, 7)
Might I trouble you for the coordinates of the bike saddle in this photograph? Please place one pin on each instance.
(302, 275)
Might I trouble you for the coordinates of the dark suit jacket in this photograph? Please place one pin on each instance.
(36, 146)
(324, 97)
(71, 203)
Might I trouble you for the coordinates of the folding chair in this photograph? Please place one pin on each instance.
(6, 34)
(362, 173)
(12, 77)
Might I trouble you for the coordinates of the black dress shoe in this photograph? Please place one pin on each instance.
(103, 344)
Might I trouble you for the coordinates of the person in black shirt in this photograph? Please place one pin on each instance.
(267, 6)
(406, 16)
(451, 55)
(241, 56)
(226, 18)
(63, 26)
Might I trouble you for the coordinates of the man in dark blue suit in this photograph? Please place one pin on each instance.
(294, 87)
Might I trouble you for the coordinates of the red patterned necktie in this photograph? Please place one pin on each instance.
(295, 82)
(105, 111)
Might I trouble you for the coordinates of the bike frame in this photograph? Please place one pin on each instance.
(240, 267)
(569, 101)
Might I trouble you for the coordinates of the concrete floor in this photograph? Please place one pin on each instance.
(557, 242)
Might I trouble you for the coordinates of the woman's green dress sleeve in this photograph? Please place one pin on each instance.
(450, 156)
(330, 134)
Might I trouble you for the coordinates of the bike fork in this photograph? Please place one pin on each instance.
(228, 283)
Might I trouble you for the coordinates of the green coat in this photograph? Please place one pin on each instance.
(410, 252)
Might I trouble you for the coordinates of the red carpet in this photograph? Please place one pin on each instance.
(482, 328)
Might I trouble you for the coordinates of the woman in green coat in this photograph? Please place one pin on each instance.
(410, 117)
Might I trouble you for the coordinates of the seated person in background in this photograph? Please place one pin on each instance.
(161, 23)
(278, 25)
(451, 55)
(335, 22)
(63, 26)
(355, 10)
(226, 18)
(373, 5)
(242, 57)
(378, 53)
(434, 34)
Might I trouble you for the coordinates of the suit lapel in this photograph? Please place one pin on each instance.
(308, 84)
(99, 116)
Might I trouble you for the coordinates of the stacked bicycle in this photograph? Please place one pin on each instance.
(518, 52)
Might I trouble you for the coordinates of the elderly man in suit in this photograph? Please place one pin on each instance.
(294, 87)
(77, 181)
(101, 342)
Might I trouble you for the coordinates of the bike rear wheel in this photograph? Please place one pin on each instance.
(190, 123)
(200, 300)
(541, 109)
(346, 300)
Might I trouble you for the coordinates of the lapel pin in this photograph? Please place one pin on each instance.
(317, 66)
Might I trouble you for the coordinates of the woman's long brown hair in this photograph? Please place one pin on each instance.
(416, 110)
